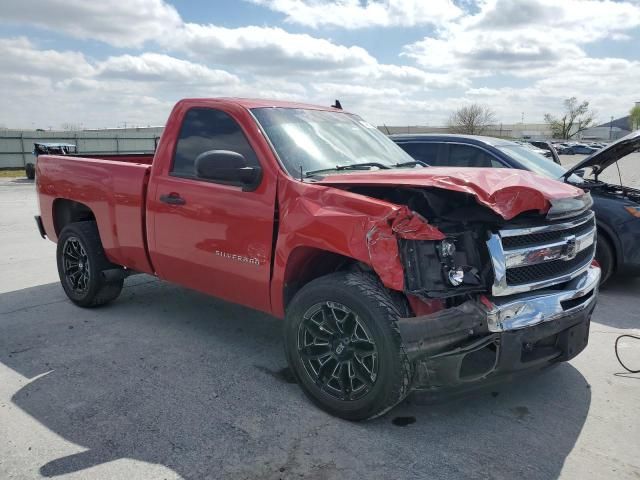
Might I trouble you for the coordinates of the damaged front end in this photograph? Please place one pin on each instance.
(513, 297)
(489, 339)
(491, 297)
(497, 270)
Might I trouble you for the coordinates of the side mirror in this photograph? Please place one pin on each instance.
(580, 172)
(229, 167)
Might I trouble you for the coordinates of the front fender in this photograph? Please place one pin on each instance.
(352, 225)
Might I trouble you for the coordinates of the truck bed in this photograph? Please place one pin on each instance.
(113, 187)
(141, 158)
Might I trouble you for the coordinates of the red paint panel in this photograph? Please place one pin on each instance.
(220, 241)
(114, 191)
(505, 191)
(141, 158)
(338, 221)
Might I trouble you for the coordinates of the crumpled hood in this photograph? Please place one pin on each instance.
(507, 192)
(609, 154)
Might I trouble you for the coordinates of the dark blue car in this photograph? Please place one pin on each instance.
(617, 207)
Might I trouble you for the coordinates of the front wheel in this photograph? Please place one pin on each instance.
(344, 347)
(81, 261)
(604, 256)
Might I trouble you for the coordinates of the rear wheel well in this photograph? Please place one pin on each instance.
(307, 263)
(69, 211)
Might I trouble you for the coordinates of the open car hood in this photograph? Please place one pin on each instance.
(508, 192)
(610, 154)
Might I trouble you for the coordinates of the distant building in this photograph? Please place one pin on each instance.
(608, 131)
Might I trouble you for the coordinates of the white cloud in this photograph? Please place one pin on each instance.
(539, 48)
(264, 48)
(162, 68)
(522, 35)
(354, 14)
(121, 23)
(20, 56)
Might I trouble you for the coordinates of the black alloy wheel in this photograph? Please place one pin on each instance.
(76, 265)
(81, 263)
(337, 351)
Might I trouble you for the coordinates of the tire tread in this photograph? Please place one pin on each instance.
(107, 291)
(386, 305)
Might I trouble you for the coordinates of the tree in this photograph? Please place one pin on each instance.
(577, 117)
(472, 119)
(634, 117)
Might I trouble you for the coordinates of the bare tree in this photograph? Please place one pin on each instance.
(634, 117)
(472, 119)
(577, 117)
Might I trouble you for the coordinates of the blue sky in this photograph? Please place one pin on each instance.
(399, 62)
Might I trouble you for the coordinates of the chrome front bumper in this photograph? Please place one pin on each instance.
(528, 309)
(564, 248)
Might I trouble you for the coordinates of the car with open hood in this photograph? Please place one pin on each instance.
(617, 206)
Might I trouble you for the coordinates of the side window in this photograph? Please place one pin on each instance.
(425, 151)
(205, 129)
(470, 156)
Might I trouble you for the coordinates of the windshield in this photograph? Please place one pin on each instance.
(535, 162)
(317, 139)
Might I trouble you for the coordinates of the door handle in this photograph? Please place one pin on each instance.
(172, 199)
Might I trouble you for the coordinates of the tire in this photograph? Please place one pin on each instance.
(30, 171)
(605, 257)
(86, 286)
(373, 315)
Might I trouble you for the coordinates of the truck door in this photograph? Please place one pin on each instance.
(210, 236)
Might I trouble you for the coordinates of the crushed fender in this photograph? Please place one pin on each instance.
(382, 243)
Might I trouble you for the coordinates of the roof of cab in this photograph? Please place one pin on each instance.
(451, 137)
(250, 103)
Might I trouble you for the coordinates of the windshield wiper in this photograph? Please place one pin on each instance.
(354, 166)
(411, 164)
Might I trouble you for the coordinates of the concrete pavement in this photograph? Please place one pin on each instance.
(169, 383)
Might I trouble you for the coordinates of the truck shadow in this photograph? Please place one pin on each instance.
(172, 377)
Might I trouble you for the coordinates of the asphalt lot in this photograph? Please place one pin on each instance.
(167, 383)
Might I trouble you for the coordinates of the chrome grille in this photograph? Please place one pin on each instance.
(535, 257)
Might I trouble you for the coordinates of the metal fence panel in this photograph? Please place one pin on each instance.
(16, 146)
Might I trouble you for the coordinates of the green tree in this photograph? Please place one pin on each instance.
(634, 118)
(577, 117)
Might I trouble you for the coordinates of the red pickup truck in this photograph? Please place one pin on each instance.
(391, 275)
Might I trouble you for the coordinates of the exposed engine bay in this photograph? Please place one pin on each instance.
(457, 339)
(621, 191)
(463, 258)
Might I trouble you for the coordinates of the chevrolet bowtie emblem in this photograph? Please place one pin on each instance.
(571, 248)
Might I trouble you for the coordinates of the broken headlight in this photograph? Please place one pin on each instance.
(443, 268)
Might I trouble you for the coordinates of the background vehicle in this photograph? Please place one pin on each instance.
(51, 149)
(615, 206)
(548, 149)
(581, 149)
(389, 275)
(563, 148)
